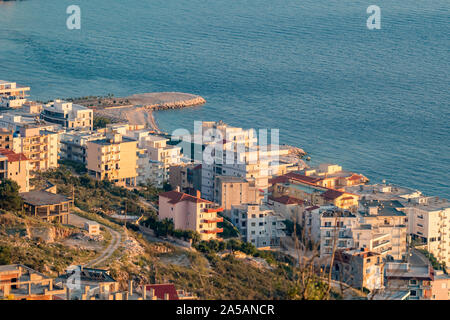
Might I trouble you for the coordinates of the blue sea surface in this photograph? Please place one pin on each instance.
(374, 101)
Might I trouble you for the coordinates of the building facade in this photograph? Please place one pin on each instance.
(258, 225)
(190, 213)
(113, 158)
(68, 115)
(16, 167)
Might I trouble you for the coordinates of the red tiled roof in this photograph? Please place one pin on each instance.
(286, 200)
(331, 194)
(356, 177)
(296, 177)
(162, 289)
(12, 156)
(280, 179)
(302, 178)
(176, 197)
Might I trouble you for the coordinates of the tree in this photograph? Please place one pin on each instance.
(9, 195)
(5, 255)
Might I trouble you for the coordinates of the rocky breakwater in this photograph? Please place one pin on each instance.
(143, 105)
(166, 100)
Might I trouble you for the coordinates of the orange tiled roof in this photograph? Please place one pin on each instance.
(12, 156)
(286, 200)
(176, 197)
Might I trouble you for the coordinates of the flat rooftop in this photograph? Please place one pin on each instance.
(107, 142)
(43, 198)
(374, 191)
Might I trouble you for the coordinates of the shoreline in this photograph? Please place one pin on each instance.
(139, 108)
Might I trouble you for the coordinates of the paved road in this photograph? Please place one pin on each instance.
(418, 259)
(113, 246)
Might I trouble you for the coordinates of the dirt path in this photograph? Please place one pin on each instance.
(113, 246)
(107, 252)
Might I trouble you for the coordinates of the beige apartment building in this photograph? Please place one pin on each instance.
(332, 176)
(39, 146)
(15, 166)
(429, 223)
(191, 213)
(233, 191)
(440, 286)
(307, 189)
(113, 158)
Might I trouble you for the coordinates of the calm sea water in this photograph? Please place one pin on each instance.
(376, 102)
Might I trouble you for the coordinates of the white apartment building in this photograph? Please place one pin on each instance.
(336, 230)
(73, 144)
(14, 121)
(429, 223)
(368, 237)
(155, 157)
(12, 95)
(388, 217)
(68, 115)
(258, 224)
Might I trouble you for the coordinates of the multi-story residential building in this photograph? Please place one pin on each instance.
(290, 208)
(68, 115)
(40, 146)
(74, 144)
(14, 120)
(155, 158)
(388, 219)
(248, 164)
(440, 287)
(416, 279)
(332, 176)
(47, 206)
(32, 108)
(190, 213)
(6, 139)
(429, 223)
(15, 166)
(12, 95)
(308, 190)
(361, 269)
(113, 158)
(368, 237)
(258, 224)
(185, 177)
(336, 230)
(232, 191)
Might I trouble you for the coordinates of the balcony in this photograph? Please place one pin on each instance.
(213, 220)
(210, 210)
(217, 230)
